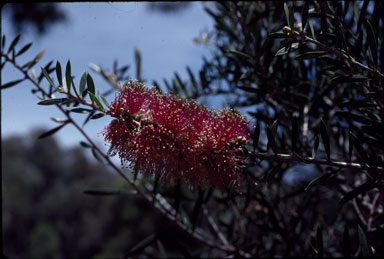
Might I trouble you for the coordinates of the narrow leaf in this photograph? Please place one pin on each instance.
(372, 40)
(59, 73)
(141, 245)
(256, 135)
(13, 43)
(104, 100)
(108, 192)
(315, 146)
(320, 179)
(78, 110)
(83, 81)
(365, 250)
(24, 49)
(138, 64)
(312, 30)
(68, 77)
(282, 51)
(286, 10)
(97, 116)
(311, 55)
(97, 156)
(90, 84)
(325, 138)
(51, 132)
(304, 15)
(85, 144)
(52, 101)
(291, 18)
(45, 73)
(358, 190)
(10, 84)
(97, 101)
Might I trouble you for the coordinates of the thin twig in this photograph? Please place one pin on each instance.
(357, 209)
(309, 160)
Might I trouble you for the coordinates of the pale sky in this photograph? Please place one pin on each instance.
(100, 32)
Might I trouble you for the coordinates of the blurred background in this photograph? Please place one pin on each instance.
(45, 212)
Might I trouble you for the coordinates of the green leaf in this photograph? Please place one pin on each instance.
(325, 138)
(357, 144)
(365, 250)
(83, 81)
(35, 60)
(45, 73)
(2, 42)
(321, 179)
(287, 15)
(282, 51)
(274, 127)
(239, 53)
(78, 110)
(291, 18)
(162, 252)
(256, 135)
(91, 85)
(138, 64)
(372, 40)
(52, 101)
(304, 15)
(97, 101)
(51, 132)
(108, 192)
(97, 116)
(311, 55)
(10, 84)
(13, 43)
(312, 30)
(59, 73)
(194, 83)
(358, 190)
(98, 157)
(315, 146)
(104, 100)
(85, 144)
(68, 77)
(141, 245)
(24, 49)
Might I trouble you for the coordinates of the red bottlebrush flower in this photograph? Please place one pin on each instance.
(174, 138)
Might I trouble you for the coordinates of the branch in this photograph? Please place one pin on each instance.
(309, 160)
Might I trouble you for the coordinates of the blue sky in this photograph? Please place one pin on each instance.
(100, 33)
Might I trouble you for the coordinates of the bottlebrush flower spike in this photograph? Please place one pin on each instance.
(174, 138)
